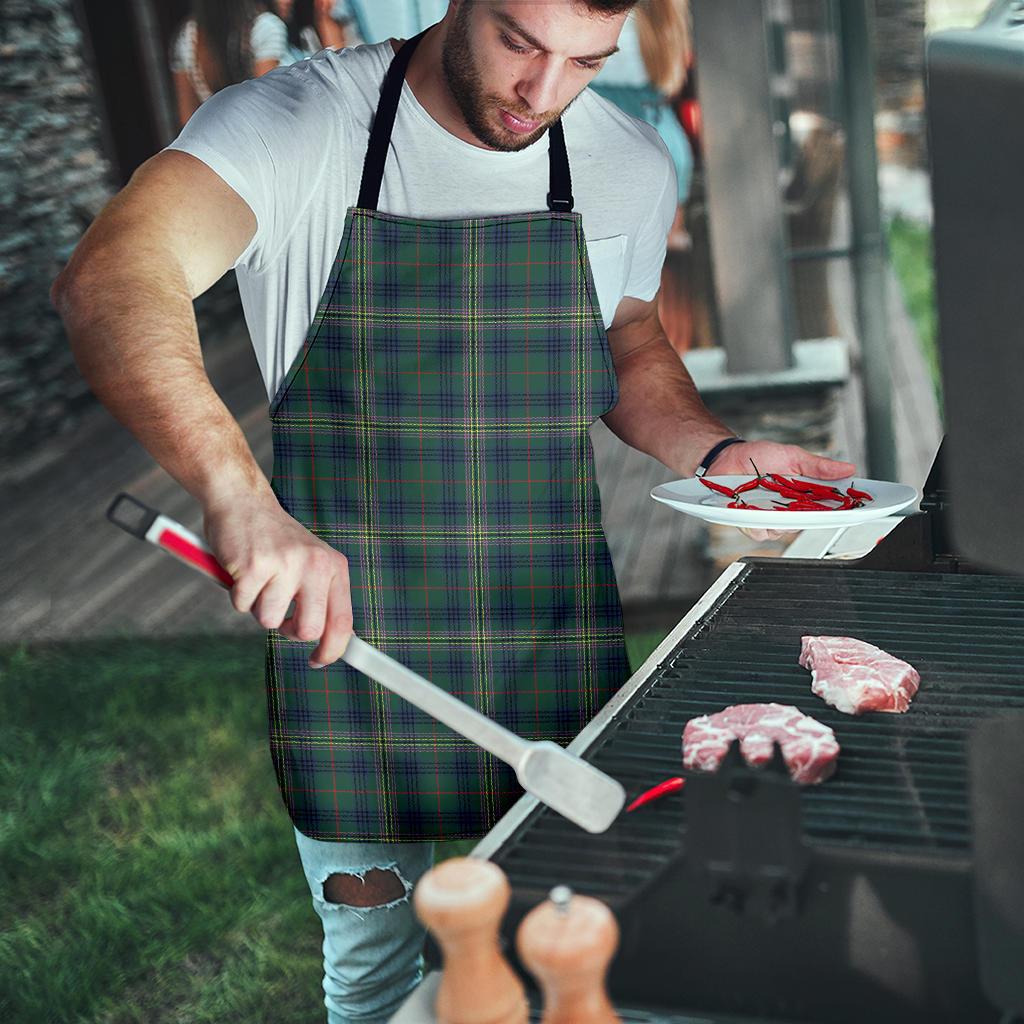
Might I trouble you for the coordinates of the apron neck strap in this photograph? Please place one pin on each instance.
(559, 197)
(383, 122)
(560, 186)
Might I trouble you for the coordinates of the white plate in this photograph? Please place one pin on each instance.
(693, 498)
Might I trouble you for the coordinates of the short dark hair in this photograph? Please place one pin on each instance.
(608, 7)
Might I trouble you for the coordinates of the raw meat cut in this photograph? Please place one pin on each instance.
(855, 677)
(808, 747)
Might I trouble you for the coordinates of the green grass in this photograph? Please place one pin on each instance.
(149, 872)
(910, 248)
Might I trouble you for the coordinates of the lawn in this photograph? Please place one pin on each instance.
(149, 870)
(910, 248)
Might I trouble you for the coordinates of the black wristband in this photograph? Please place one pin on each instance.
(705, 463)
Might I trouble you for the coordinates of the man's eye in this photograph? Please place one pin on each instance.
(589, 65)
(513, 46)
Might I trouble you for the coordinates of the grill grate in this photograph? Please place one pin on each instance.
(901, 785)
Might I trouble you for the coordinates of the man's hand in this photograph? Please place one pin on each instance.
(275, 560)
(771, 457)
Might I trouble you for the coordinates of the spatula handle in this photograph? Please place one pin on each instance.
(146, 523)
(437, 703)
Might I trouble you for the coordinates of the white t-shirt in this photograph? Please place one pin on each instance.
(292, 144)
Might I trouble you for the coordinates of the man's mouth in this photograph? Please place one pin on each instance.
(517, 124)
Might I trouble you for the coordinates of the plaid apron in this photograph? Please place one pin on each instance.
(434, 429)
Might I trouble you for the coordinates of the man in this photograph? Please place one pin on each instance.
(434, 360)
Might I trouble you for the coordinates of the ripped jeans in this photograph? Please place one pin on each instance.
(373, 955)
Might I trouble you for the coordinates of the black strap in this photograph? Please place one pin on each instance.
(560, 184)
(383, 122)
(705, 463)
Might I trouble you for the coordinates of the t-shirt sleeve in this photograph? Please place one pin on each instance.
(180, 55)
(269, 38)
(269, 139)
(652, 238)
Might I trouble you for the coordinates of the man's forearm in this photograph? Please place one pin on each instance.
(134, 337)
(660, 411)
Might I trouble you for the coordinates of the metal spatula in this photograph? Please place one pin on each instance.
(564, 782)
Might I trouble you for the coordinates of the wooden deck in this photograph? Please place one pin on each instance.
(69, 573)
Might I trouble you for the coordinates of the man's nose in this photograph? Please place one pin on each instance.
(539, 89)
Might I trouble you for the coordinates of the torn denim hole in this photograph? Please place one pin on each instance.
(361, 873)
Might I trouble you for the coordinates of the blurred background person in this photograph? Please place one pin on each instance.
(646, 76)
(375, 20)
(314, 25)
(223, 42)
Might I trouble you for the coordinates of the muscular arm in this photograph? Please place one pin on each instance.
(126, 301)
(659, 410)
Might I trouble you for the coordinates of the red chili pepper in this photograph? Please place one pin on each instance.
(750, 485)
(862, 495)
(717, 487)
(668, 786)
(809, 487)
(743, 504)
(786, 492)
(807, 506)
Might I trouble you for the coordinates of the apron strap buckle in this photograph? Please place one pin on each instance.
(559, 205)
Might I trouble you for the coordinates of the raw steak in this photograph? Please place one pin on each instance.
(855, 677)
(808, 747)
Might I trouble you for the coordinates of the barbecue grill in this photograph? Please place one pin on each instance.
(748, 896)
(895, 890)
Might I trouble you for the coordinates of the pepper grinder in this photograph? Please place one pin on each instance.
(462, 901)
(567, 943)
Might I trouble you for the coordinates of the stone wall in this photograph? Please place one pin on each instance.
(54, 178)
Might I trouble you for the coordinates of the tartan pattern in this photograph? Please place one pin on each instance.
(434, 429)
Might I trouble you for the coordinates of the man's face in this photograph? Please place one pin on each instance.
(513, 66)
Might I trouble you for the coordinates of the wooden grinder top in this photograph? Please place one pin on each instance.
(567, 943)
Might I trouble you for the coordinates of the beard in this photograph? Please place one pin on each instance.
(478, 107)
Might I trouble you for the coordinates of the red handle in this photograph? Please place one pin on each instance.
(138, 519)
(195, 553)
